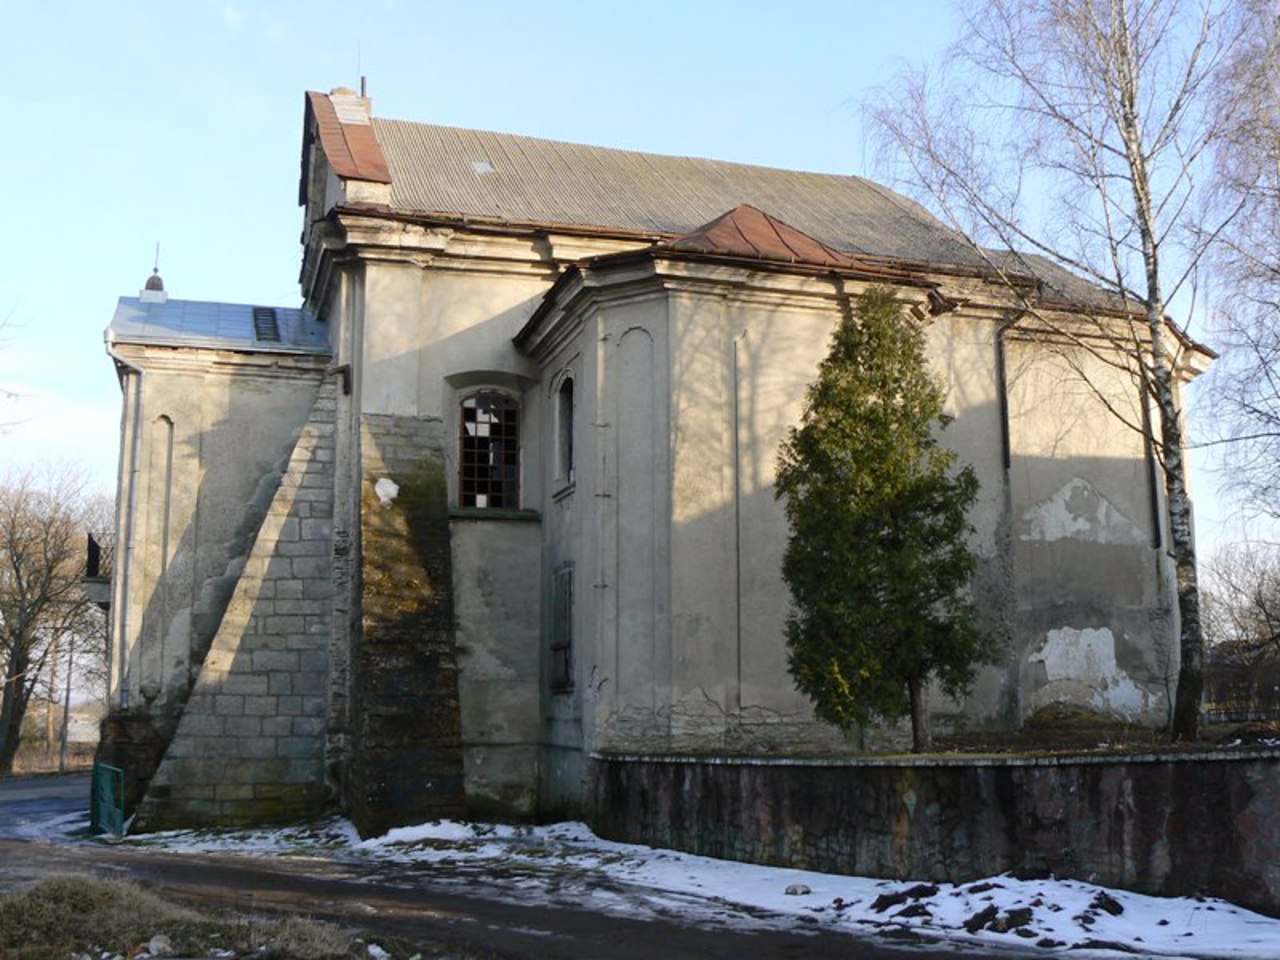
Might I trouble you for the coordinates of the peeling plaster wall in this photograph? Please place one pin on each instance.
(691, 657)
(1094, 624)
(1079, 667)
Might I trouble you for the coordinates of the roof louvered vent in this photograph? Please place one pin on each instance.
(265, 325)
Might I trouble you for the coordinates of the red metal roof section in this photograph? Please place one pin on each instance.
(352, 149)
(750, 233)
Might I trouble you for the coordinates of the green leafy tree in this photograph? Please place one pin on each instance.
(877, 561)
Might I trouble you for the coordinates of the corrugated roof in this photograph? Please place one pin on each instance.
(753, 234)
(450, 171)
(225, 326)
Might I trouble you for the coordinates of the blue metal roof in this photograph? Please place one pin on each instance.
(222, 326)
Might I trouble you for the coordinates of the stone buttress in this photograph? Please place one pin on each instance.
(250, 746)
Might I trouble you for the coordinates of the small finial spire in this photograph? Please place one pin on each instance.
(153, 290)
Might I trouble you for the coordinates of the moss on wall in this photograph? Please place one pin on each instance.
(407, 761)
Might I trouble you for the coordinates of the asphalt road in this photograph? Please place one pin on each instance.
(28, 801)
(424, 905)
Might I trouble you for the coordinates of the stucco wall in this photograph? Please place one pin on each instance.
(740, 366)
(963, 351)
(216, 431)
(497, 575)
(1168, 825)
(423, 326)
(568, 505)
(697, 660)
(630, 633)
(694, 383)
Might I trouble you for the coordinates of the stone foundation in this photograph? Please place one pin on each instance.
(135, 743)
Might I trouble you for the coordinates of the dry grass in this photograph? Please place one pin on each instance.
(36, 759)
(70, 917)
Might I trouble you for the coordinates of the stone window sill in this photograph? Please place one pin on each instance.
(493, 513)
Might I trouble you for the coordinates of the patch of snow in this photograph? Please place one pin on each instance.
(566, 862)
(51, 830)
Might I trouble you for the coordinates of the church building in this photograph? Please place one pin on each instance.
(496, 501)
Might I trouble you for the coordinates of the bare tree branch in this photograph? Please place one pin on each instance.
(42, 536)
(1247, 385)
(1243, 625)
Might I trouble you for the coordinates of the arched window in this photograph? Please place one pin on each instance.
(489, 448)
(564, 431)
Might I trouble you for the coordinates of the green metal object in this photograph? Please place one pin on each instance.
(106, 803)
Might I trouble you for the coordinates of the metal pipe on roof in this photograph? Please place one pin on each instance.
(1002, 388)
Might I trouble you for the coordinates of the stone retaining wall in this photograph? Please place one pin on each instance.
(1161, 824)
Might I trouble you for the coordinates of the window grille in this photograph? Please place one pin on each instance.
(562, 628)
(490, 451)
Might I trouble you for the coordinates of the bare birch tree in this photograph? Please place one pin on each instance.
(1080, 132)
(42, 602)
(1248, 261)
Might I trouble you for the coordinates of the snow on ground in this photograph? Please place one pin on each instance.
(53, 828)
(567, 863)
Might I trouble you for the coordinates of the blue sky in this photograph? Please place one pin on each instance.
(128, 124)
